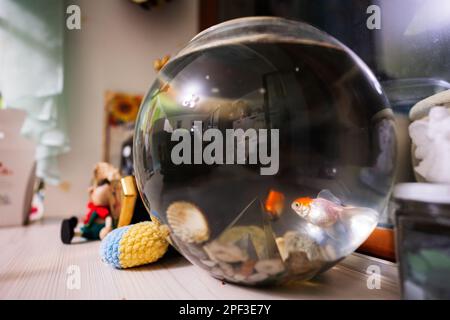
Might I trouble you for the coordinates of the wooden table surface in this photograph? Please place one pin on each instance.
(34, 264)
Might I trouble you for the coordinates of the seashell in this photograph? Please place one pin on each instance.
(257, 277)
(208, 263)
(239, 277)
(187, 222)
(330, 253)
(281, 244)
(199, 253)
(227, 269)
(229, 253)
(297, 242)
(238, 233)
(269, 266)
(247, 268)
(298, 263)
(217, 272)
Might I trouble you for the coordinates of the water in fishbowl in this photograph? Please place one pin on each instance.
(268, 148)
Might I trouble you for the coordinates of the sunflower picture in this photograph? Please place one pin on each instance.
(122, 108)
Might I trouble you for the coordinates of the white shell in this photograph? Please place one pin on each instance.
(208, 263)
(227, 269)
(281, 244)
(187, 222)
(239, 277)
(294, 242)
(269, 266)
(216, 271)
(229, 253)
(257, 277)
(198, 252)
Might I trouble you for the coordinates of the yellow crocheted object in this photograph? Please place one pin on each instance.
(143, 243)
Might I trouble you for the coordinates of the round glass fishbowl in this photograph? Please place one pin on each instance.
(268, 148)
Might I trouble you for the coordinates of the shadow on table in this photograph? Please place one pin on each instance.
(320, 287)
(171, 260)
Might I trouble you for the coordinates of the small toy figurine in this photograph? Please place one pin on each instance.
(101, 215)
(136, 244)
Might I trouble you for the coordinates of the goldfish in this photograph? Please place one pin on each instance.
(274, 204)
(319, 211)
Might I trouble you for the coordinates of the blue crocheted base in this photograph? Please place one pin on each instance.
(109, 248)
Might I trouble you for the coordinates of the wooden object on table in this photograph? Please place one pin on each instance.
(129, 196)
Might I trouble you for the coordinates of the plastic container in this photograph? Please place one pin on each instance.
(423, 240)
(403, 94)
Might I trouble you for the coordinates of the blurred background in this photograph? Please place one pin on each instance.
(113, 50)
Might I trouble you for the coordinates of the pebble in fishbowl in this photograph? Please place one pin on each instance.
(259, 145)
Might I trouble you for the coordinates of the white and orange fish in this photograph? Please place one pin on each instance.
(319, 211)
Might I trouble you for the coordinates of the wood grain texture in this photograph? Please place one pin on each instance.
(34, 265)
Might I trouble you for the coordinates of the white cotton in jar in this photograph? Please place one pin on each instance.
(431, 137)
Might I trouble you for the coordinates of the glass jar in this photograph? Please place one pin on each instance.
(423, 240)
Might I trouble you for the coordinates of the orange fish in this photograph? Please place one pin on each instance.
(320, 212)
(274, 203)
(304, 201)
